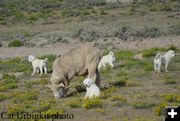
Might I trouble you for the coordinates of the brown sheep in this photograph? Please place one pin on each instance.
(78, 61)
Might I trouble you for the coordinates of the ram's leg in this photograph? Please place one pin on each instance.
(94, 74)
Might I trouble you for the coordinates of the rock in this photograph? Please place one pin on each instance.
(19, 74)
(138, 57)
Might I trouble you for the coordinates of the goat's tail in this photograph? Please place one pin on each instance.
(45, 60)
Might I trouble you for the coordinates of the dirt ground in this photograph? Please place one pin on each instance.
(134, 92)
(113, 43)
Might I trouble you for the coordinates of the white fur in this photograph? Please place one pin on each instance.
(92, 90)
(160, 60)
(157, 62)
(107, 59)
(38, 64)
(167, 57)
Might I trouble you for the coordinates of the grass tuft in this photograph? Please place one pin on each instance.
(95, 103)
(74, 103)
(142, 105)
(15, 43)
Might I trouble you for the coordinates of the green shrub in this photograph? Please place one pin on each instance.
(147, 31)
(121, 33)
(21, 97)
(121, 73)
(18, 16)
(166, 7)
(42, 81)
(9, 82)
(172, 47)
(103, 12)
(101, 110)
(95, 103)
(171, 97)
(175, 29)
(54, 111)
(141, 105)
(151, 52)
(111, 89)
(94, 11)
(139, 74)
(133, 83)
(134, 1)
(149, 66)
(42, 107)
(30, 83)
(12, 85)
(160, 109)
(15, 65)
(15, 43)
(2, 97)
(8, 78)
(86, 13)
(118, 98)
(117, 103)
(123, 55)
(153, 8)
(118, 82)
(33, 17)
(169, 81)
(26, 34)
(105, 70)
(74, 103)
(50, 57)
(45, 13)
(104, 95)
(2, 18)
(146, 65)
(14, 108)
(70, 13)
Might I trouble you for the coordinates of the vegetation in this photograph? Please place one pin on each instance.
(15, 43)
(74, 103)
(120, 88)
(142, 105)
(95, 103)
(129, 88)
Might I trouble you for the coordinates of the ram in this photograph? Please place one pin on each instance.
(78, 61)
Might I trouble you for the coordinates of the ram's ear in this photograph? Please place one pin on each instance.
(49, 85)
(61, 85)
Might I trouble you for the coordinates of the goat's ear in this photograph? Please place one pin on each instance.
(111, 53)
